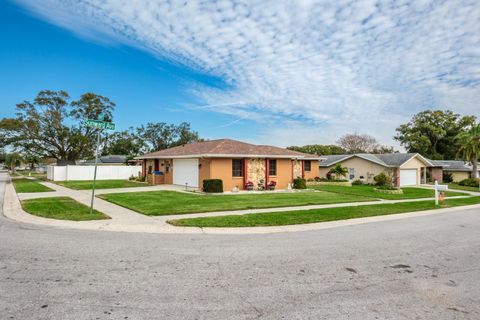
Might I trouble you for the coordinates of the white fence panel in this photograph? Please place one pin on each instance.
(63, 173)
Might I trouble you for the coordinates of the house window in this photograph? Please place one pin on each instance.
(237, 168)
(167, 166)
(308, 165)
(149, 169)
(272, 167)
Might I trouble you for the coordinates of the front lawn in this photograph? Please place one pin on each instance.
(459, 187)
(367, 191)
(100, 184)
(317, 215)
(29, 185)
(170, 202)
(61, 208)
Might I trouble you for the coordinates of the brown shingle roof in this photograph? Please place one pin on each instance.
(225, 148)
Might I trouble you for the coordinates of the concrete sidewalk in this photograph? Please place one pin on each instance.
(126, 220)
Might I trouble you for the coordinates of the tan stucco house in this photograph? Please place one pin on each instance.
(459, 170)
(406, 169)
(234, 162)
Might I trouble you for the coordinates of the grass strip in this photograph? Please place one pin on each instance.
(100, 184)
(29, 185)
(61, 208)
(368, 191)
(317, 215)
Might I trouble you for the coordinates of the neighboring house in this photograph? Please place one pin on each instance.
(459, 170)
(109, 159)
(234, 162)
(406, 169)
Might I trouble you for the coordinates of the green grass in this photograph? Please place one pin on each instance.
(459, 187)
(171, 202)
(317, 215)
(29, 185)
(100, 184)
(61, 208)
(367, 191)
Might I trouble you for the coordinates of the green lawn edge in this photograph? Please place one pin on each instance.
(180, 207)
(24, 185)
(455, 186)
(100, 184)
(61, 208)
(317, 215)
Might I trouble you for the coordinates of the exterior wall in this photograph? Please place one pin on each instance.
(284, 173)
(363, 168)
(203, 171)
(459, 175)
(221, 168)
(436, 174)
(256, 171)
(314, 172)
(297, 169)
(414, 164)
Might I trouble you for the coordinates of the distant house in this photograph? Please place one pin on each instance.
(406, 169)
(459, 170)
(109, 159)
(234, 162)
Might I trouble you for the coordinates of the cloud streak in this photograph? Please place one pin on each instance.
(331, 67)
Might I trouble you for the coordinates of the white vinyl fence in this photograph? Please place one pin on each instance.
(65, 173)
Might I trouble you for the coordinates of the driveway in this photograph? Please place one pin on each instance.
(425, 267)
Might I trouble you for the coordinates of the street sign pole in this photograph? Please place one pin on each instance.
(100, 125)
(95, 172)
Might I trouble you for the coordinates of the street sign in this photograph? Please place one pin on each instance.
(98, 124)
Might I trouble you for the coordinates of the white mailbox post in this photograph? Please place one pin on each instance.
(439, 188)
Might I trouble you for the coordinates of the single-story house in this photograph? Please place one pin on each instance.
(108, 159)
(234, 162)
(406, 169)
(459, 170)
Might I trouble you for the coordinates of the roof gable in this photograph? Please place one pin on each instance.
(385, 159)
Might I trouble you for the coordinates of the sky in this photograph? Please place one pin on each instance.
(270, 72)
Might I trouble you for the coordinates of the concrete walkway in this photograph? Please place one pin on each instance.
(126, 220)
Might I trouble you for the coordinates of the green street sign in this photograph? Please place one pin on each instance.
(99, 124)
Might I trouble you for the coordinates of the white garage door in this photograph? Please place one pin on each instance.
(408, 177)
(185, 171)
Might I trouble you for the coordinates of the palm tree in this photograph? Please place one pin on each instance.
(469, 147)
(339, 171)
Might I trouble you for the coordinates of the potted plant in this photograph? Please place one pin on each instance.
(249, 186)
(271, 185)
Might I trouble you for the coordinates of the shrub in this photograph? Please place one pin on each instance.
(382, 179)
(329, 176)
(470, 182)
(299, 183)
(317, 179)
(213, 185)
(357, 182)
(447, 177)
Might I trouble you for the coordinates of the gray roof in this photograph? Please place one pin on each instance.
(452, 165)
(387, 159)
(113, 159)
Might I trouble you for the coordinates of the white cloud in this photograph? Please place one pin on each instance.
(336, 67)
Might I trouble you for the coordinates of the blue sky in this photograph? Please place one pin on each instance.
(283, 73)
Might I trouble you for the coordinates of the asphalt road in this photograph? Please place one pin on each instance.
(417, 268)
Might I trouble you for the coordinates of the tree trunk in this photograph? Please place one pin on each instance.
(475, 168)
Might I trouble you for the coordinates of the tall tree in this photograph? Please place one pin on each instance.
(50, 126)
(158, 136)
(123, 143)
(319, 149)
(469, 147)
(433, 133)
(362, 143)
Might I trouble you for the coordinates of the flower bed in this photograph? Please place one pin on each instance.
(388, 191)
